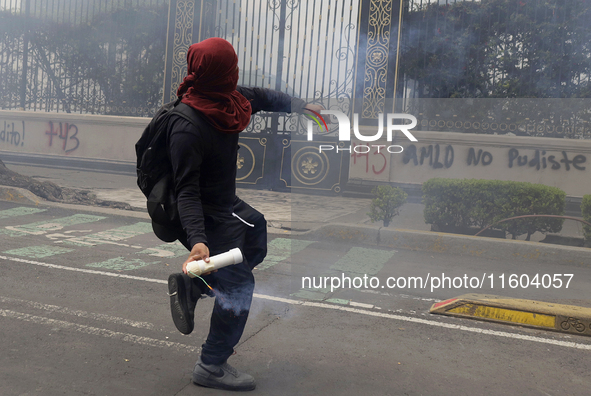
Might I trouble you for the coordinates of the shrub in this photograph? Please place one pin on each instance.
(479, 203)
(386, 203)
(586, 211)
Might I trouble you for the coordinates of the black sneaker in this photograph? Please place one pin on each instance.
(182, 302)
(222, 376)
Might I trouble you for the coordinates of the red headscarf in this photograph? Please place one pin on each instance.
(210, 85)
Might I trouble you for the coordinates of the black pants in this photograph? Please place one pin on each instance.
(233, 285)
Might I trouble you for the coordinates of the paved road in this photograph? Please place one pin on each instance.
(83, 310)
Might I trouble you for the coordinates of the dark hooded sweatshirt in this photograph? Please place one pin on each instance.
(204, 162)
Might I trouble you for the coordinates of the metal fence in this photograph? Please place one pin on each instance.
(306, 49)
(107, 56)
(497, 49)
(82, 56)
(303, 48)
(503, 54)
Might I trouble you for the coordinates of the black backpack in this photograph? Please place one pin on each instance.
(154, 170)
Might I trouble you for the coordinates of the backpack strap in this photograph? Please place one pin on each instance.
(189, 114)
(161, 202)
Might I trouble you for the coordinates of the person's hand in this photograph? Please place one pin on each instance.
(199, 252)
(316, 108)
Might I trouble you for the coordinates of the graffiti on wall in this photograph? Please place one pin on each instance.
(439, 157)
(375, 159)
(65, 133)
(540, 160)
(375, 163)
(12, 133)
(61, 134)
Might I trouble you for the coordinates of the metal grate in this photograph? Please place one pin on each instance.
(497, 49)
(527, 64)
(82, 56)
(303, 48)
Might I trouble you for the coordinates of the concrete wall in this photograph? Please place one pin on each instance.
(555, 162)
(70, 135)
(561, 163)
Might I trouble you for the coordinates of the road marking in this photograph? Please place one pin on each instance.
(360, 305)
(363, 261)
(38, 251)
(340, 301)
(396, 295)
(427, 322)
(78, 313)
(167, 250)
(66, 235)
(83, 270)
(355, 262)
(122, 264)
(19, 211)
(43, 227)
(280, 249)
(128, 337)
(113, 236)
(316, 294)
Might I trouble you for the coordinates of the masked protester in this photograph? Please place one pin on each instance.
(213, 218)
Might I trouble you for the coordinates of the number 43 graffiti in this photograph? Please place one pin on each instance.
(67, 132)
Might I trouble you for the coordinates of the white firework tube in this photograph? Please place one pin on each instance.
(195, 268)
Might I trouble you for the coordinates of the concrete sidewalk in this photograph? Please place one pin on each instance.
(336, 217)
(282, 210)
(298, 212)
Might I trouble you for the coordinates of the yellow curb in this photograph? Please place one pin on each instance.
(537, 314)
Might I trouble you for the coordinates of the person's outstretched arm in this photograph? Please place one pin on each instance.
(263, 99)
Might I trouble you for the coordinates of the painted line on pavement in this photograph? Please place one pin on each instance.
(166, 250)
(122, 264)
(280, 249)
(476, 330)
(153, 342)
(113, 236)
(356, 261)
(397, 295)
(84, 270)
(363, 260)
(43, 227)
(78, 313)
(19, 211)
(431, 323)
(37, 252)
(361, 305)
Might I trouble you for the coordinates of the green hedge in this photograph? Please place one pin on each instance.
(586, 211)
(479, 203)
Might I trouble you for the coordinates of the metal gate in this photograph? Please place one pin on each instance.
(305, 49)
(317, 50)
(82, 56)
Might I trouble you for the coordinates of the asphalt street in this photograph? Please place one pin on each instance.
(84, 311)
